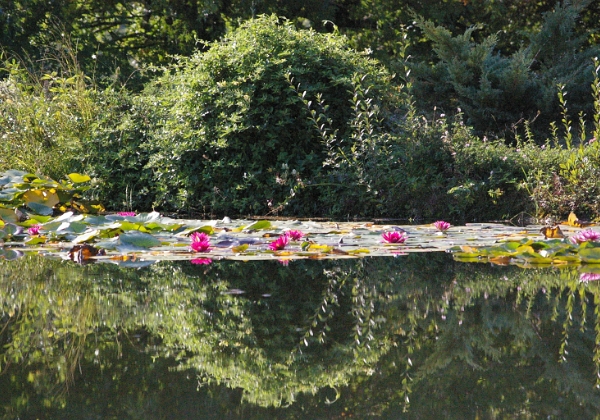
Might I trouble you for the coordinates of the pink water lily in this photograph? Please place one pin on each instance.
(441, 225)
(126, 213)
(34, 229)
(279, 243)
(585, 236)
(394, 237)
(201, 261)
(294, 235)
(589, 276)
(200, 242)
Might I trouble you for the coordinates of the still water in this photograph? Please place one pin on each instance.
(418, 336)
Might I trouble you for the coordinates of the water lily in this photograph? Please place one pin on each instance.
(126, 213)
(200, 242)
(584, 236)
(395, 237)
(201, 261)
(279, 243)
(295, 235)
(441, 225)
(34, 229)
(589, 276)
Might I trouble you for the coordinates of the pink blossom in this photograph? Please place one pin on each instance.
(279, 243)
(200, 242)
(589, 276)
(441, 225)
(126, 213)
(394, 237)
(584, 236)
(294, 235)
(34, 229)
(201, 261)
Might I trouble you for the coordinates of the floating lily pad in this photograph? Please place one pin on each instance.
(139, 239)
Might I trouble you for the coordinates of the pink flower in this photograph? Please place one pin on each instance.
(201, 261)
(279, 243)
(126, 213)
(34, 230)
(589, 276)
(441, 225)
(394, 237)
(584, 236)
(294, 235)
(200, 242)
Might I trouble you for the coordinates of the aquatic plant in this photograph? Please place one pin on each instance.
(395, 237)
(200, 242)
(295, 235)
(279, 243)
(587, 235)
(34, 229)
(441, 225)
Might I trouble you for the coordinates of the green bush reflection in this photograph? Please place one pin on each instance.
(416, 336)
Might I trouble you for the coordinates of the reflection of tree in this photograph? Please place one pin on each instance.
(455, 340)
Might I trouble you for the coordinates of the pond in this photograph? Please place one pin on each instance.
(417, 336)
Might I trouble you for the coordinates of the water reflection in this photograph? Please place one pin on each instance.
(418, 336)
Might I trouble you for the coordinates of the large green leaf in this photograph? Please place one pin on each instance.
(40, 208)
(139, 239)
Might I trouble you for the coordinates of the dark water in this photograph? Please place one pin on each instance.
(415, 337)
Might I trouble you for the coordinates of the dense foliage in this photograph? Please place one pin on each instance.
(268, 116)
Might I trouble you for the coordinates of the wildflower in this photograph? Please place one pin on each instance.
(126, 213)
(279, 243)
(584, 236)
(201, 261)
(294, 235)
(394, 237)
(200, 242)
(34, 230)
(441, 225)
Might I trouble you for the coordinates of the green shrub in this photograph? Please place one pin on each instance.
(228, 134)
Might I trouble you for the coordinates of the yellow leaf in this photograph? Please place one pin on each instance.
(552, 232)
(574, 221)
(41, 197)
(240, 248)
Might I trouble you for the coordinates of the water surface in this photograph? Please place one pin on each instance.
(415, 336)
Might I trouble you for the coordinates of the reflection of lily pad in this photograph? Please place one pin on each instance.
(590, 255)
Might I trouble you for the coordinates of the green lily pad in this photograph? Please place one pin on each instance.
(40, 208)
(139, 239)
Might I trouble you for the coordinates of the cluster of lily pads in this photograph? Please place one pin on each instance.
(45, 216)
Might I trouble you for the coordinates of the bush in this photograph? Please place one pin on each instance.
(229, 134)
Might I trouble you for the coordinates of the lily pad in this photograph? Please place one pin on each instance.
(139, 239)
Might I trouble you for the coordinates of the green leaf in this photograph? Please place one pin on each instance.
(36, 240)
(260, 225)
(78, 178)
(139, 239)
(40, 208)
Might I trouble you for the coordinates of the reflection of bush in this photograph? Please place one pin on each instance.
(452, 321)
